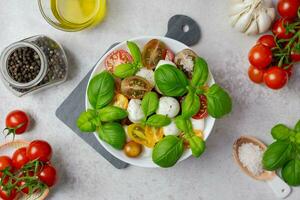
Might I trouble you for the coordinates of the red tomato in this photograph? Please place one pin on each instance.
(288, 8)
(267, 40)
(116, 58)
(279, 29)
(295, 55)
(5, 195)
(48, 175)
(23, 182)
(275, 77)
(260, 56)
(17, 122)
(289, 71)
(256, 75)
(19, 158)
(5, 162)
(169, 55)
(202, 113)
(39, 149)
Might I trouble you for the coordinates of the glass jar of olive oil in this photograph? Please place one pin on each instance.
(32, 64)
(72, 15)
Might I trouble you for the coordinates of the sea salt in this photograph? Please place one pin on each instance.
(251, 157)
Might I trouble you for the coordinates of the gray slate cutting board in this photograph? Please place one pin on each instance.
(180, 27)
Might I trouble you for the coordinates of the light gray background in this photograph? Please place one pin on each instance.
(84, 174)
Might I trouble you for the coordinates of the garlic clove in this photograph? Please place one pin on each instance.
(238, 9)
(253, 28)
(271, 12)
(244, 21)
(263, 21)
(267, 3)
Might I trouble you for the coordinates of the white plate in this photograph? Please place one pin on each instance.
(145, 159)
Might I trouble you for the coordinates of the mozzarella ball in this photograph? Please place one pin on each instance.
(163, 62)
(135, 112)
(171, 129)
(147, 74)
(198, 124)
(168, 106)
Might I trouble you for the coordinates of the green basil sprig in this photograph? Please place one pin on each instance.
(284, 153)
(113, 134)
(173, 82)
(149, 106)
(88, 121)
(111, 113)
(130, 69)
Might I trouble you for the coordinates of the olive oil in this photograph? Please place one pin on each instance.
(77, 14)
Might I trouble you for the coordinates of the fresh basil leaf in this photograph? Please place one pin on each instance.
(135, 52)
(171, 81)
(88, 121)
(125, 70)
(291, 172)
(297, 127)
(200, 73)
(183, 124)
(113, 134)
(190, 105)
(276, 155)
(158, 120)
(197, 145)
(101, 90)
(112, 113)
(149, 103)
(297, 138)
(167, 151)
(281, 132)
(218, 101)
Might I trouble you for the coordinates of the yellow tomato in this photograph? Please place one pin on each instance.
(145, 135)
(120, 101)
(198, 133)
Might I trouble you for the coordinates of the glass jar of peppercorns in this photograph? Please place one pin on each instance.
(33, 64)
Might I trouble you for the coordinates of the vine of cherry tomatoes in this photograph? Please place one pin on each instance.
(272, 57)
(28, 170)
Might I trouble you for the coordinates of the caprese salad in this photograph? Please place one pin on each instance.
(153, 99)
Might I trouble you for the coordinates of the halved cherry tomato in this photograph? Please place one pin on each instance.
(185, 61)
(48, 175)
(132, 149)
(135, 87)
(5, 162)
(153, 52)
(19, 158)
(275, 77)
(39, 149)
(17, 122)
(169, 55)
(7, 195)
(144, 135)
(256, 75)
(116, 58)
(202, 113)
(267, 40)
(120, 101)
(288, 8)
(279, 29)
(260, 56)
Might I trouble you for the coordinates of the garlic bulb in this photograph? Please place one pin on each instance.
(252, 16)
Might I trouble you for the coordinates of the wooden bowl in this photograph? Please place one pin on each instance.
(266, 175)
(10, 147)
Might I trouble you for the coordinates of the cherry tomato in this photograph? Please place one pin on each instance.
(19, 158)
(5, 195)
(116, 58)
(5, 162)
(23, 182)
(260, 56)
(202, 113)
(145, 135)
(279, 29)
(185, 61)
(120, 101)
(256, 75)
(39, 149)
(169, 55)
(135, 87)
(17, 122)
(153, 52)
(289, 71)
(295, 54)
(132, 149)
(288, 8)
(48, 175)
(275, 77)
(267, 40)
